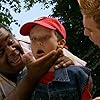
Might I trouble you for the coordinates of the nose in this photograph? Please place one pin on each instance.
(40, 43)
(86, 33)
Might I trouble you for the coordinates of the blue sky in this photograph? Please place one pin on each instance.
(26, 16)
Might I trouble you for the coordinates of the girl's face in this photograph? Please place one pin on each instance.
(43, 40)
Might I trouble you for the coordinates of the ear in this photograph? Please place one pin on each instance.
(61, 43)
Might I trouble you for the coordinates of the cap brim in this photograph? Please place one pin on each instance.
(25, 29)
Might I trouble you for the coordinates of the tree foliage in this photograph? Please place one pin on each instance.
(6, 6)
(69, 13)
(5, 14)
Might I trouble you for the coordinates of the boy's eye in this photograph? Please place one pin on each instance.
(47, 37)
(33, 39)
(42, 38)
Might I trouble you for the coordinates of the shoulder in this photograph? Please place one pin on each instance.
(6, 86)
(79, 69)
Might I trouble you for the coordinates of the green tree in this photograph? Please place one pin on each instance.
(5, 14)
(16, 6)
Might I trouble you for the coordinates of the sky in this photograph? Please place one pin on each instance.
(26, 16)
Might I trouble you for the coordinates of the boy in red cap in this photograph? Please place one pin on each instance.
(71, 83)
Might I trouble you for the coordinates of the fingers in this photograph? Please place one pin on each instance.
(43, 64)
(63, 62)
(28, 59)
(47, 57)
(50, 59)
(37, 68)
(54, 58)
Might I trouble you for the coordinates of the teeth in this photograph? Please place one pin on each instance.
(16, 52)
(16, 59)
(13, 59)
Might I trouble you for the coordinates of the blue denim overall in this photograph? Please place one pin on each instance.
(68, 84)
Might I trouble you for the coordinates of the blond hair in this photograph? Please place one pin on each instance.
(91, 8)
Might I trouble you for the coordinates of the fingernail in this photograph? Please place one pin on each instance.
(56, 67)
(64, 65)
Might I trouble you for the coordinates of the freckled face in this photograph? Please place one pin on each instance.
(43, 40)
(11, 60)
(91, 30)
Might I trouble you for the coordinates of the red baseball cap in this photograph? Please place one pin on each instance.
(48, 22)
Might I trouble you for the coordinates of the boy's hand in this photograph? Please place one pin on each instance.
(63, 61)
(37, 68)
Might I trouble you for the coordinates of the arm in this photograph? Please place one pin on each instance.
(36, 69)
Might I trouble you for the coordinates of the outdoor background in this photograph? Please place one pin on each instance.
(14, 13)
